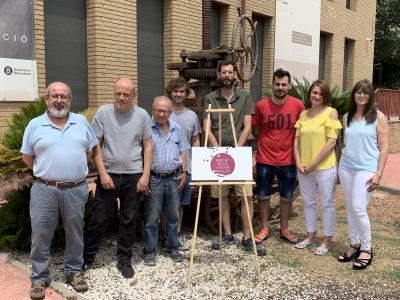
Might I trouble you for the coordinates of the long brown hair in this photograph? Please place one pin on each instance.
(370, 113)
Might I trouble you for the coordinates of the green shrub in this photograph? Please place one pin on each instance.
(15, 224)
(299, 90)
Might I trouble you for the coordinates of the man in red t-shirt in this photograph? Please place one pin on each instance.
(273, 128)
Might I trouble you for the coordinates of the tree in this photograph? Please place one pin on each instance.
(387, 44)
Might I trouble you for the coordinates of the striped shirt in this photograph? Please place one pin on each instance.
(167, 148)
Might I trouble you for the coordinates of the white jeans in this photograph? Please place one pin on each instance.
(323, 182)
(354, 186)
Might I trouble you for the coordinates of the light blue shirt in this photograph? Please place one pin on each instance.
(167, 148)
(59, 154)
(361, 152)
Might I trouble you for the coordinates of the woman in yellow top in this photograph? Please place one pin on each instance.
(314, 149)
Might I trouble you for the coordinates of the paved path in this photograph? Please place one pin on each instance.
(15, 284)
(391, 175)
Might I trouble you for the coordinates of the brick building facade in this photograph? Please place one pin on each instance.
(114, 39)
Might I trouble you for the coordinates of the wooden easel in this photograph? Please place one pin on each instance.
(229, 110)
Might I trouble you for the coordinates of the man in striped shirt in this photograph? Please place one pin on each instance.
(168, 176)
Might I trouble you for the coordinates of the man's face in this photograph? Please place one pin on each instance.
(281, 87)
(124, 93)
(58, 100)
(227, 76)
(178, 95)
(161, 112)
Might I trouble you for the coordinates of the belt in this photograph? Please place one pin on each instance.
(61, 184)
(165, 175)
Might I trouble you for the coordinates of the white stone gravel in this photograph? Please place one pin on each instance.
(229, 274)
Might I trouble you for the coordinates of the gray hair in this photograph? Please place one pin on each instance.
(50, 85)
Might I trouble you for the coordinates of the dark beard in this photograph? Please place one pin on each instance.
(230, 85)
(277, 96)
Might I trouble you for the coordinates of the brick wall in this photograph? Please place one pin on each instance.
(357, 24)
(112, 40)
(394, 136)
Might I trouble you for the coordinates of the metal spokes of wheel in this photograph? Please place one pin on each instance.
(244, 48)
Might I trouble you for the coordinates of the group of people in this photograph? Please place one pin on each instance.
(137, 155)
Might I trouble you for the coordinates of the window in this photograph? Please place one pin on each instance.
(347, 63)
(215, 25)
(66, 57)
(322, 56)
(150, 51)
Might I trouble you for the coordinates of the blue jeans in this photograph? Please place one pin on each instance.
(286, 176)
(186, 194)
(46, 204)
(164, 197)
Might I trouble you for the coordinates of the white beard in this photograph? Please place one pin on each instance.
(58, 113)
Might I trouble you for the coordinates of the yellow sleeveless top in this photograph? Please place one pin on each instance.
(313, 133)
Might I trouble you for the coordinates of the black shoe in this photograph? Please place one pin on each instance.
(175, 255)
(362, 263)
(345, 258)
(88, 261)
(150, 259)
(226, 240)
(248, 246)
(126, 270)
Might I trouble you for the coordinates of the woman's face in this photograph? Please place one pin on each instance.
(316, 97)
(361, 98)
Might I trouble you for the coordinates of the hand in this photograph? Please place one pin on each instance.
(309, 168)
(143, 185)
(300, 168)
(106, 181)
(373, 182)
(182, 181)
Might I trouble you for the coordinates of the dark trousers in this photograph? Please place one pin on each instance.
(125, 190)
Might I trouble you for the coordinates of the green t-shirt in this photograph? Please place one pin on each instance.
(243, 105)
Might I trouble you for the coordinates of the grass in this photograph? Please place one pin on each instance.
(394, 274)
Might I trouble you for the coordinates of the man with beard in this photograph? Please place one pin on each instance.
(55, 146)
(273, 127)
(177, 90)
(123, 131)
(242, 103)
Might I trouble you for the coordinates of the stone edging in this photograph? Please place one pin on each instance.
(59, 288)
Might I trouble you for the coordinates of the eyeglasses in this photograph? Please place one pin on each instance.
(161, 111)
(61, 97)
(359, 93)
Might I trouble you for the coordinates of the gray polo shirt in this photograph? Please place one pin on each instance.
(242, 103)
(123, 135)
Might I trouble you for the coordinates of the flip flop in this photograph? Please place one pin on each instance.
(304, 244)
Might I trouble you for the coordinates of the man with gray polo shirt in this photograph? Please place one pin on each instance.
(123, 131)
(55, 147)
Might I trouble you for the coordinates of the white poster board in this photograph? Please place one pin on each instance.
(222, 163)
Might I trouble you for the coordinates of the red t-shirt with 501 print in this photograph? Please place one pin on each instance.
(276, 131)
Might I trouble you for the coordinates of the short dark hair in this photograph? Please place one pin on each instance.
(325, 91)
(177, 83)
(225, 63)
(280, 73)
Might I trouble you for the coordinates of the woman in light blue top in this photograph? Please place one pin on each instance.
(360, 170)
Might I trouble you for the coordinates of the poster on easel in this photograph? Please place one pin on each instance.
(222, 163)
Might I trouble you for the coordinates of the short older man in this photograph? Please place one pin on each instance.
(55, 146)
(123, 131)
(168, 176)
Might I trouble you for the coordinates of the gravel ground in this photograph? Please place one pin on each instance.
(229, 274)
